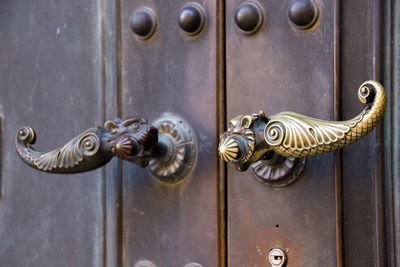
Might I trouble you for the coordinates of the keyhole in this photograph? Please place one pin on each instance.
(277, 257)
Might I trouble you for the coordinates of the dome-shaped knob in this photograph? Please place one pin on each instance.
(143, 22)
(249, 17)
(191, 18)
(229, 149)
(302, 14)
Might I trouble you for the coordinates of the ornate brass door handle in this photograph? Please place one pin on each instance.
(169, 147)
(250, 138)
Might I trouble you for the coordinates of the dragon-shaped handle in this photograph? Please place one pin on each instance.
(168, 146)
(250, 138)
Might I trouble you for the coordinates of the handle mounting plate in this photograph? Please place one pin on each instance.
(182, 147)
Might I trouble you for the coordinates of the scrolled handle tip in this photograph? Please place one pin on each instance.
(132, 139)
(290, 134)
(369, 91)
(26, 135)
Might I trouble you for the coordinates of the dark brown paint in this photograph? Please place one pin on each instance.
(67, 65)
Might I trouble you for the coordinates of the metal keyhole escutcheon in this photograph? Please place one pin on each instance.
(277, 257)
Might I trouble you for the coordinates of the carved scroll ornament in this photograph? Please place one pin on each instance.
(250, 137)
(169, 148)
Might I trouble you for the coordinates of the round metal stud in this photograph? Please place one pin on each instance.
(249, 17)
(192, 18)
(182, 147)
(143, 22)
(302, 14)
(278, 171)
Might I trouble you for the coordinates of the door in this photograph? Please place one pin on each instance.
(69, 66)
(332, 215)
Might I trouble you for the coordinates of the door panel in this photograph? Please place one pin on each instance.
(68, 65)
(276, 69)
(50, 78)
(333, 215)
(362, 173)
(171, 225)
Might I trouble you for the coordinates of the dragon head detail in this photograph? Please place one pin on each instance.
(131, 139)
(242, 144)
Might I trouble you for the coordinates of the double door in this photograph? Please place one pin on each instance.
(69, 65)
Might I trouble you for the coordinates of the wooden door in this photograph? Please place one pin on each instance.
(70, 65)
(51, 79)
(334, 214)
(175, 73)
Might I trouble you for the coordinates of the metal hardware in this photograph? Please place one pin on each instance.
(132, 139)
(144, 263)
(250, 137)
(277, 257)
(278, 171)
(143, 22)
(302, 14)
(181, 153)
(249, 17)
(192, 18)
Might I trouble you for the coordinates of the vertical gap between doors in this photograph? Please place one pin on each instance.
(110, 20)
(221, 121)
(338, 116)
(379, 177)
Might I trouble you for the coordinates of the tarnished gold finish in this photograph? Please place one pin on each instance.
(132, 139)
(229, 149)
(291, 134)
(276, 170)
(170, 152)
(181, 158)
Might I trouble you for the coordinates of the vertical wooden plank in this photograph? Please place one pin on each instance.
(391, 130)
(221, 121)
(395, 129)
(171, 225)
(362, 164)
(277, 69)
(113, 170)
(338, 155)
(1, 154)
(51, 76)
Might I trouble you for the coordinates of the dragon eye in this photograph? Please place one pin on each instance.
(135, 126)
(111, 126)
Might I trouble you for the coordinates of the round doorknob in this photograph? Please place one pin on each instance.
(168, 147)
(250, 138)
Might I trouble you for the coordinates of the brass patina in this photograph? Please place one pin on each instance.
(250, 137)
(169, 147)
